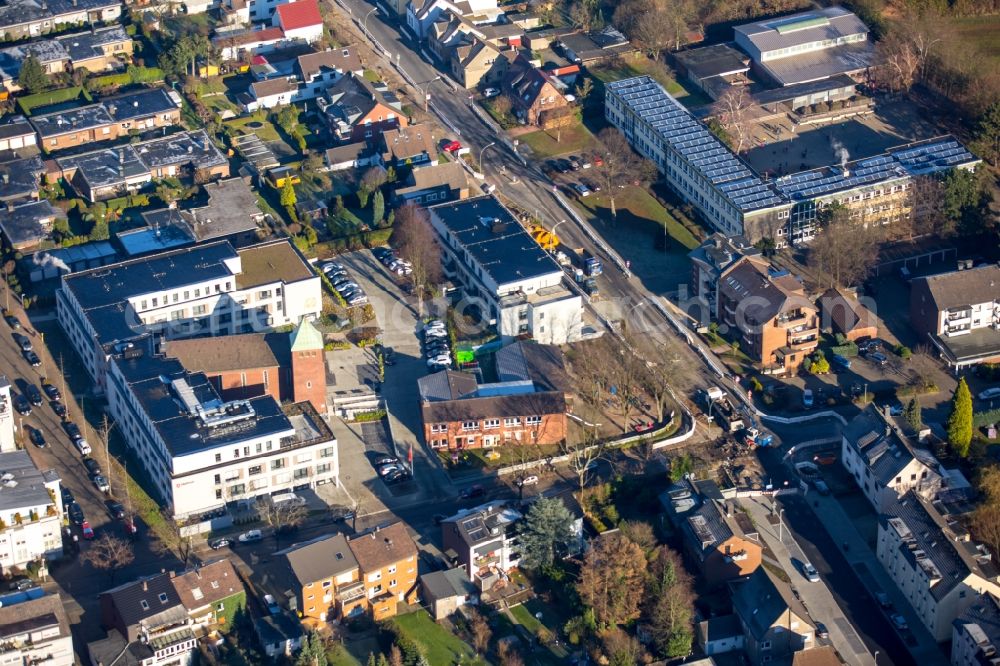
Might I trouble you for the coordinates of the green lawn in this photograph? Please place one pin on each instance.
(436, 644)
(638, 204)
(685, 94)
(526, 619)
(31, 102)
(573, 139)
(981, 32)
(267, 132)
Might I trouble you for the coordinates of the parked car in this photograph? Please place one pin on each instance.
(529, 480)
(37, 437)
(581, 189)
(75, 513)
(396, 477)
(52, 392)
(88, 531)
(899, 621)
(250, 536)
(22, 584)
(101, 483)
(115, 509)
(11, 320)
(32, 359)
(807, 398)
(821, 487)
(841, 361)
(989, 393)
(563, 166)
(82, 446)
(386, 460)
(809, 573)
(22, 405)
(883, 599)
(73, 430)
(34, 395)
(58, 408)
(452, 147)
(272, 605)
(598, 161)
(878, 358)
(473, 491)
(574, 163)
(822, 631)
(92, 467)
(23, 342)
(490, 92)
(217, 544)
(67, 496)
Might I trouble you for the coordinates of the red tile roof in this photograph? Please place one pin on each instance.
(301, 14)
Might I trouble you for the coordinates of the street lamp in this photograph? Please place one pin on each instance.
(781, 525)
(364, 22)
(489, 145)
(424, 90)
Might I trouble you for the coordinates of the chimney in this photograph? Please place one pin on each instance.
(10, 206)
(145, 586)
(173, 574)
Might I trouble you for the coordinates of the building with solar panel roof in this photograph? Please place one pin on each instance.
(732, 198)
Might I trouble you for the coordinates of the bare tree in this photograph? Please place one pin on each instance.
(170, 539)
(844, 249)
(109, 553)
(289, 514)
(416, 241)
(583, 453)
(481, 633)
(655, 25)
(733, 111)
(927, 215)
(612, 579)
(508, 654)
(903, 53)
(621, 167)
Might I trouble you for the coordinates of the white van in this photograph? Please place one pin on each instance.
(82, 446)
(290, 498)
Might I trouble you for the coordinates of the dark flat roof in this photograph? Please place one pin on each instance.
(105, 167)
(20, 177)
(980, 344)
(802, 89)
(73, 120)
(495, 240)
(715, 60)
(23, 223)
(139, 104)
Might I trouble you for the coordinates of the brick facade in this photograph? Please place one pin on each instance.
(496, 431)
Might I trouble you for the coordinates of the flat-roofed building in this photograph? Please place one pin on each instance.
(34, 629)
(517, 286)
(30, 511)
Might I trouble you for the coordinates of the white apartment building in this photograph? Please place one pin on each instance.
(30, 512)
(884, 463)
(202, 452)
(34, 629)
(7, 441)
(933, 562)
(515, 284)
(975, 634)
(208, 289)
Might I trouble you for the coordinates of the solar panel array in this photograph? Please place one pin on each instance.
(692, 140)
(927, 157)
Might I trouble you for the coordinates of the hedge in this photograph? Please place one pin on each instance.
(133, 75)
(849, 350)
(989, 417)
(131, 201)
(31, 102)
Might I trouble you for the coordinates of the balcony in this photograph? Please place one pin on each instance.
(806, 344)
(791, 319)
(351, 592)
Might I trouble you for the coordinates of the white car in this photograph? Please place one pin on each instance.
(490, 92)
(989, 393)
(529, 480)
(251, 536)
(331, 267)
(810, 573)
(82, 446)
(272, 606)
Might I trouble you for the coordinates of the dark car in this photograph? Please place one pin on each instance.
(34, 395)
(216, 544)
(52, 392)
(878, 358)
(32, 359)
(385, 460)
(67, 496)
(23, 342)
(92, 467)
(37, 437)
(22, 405)
(11, 320)
(76, 513)
(22, 584)
(58, 408)
(396, 477)
(822, 631)
(116, 509)
(73, 430)
(473, 491)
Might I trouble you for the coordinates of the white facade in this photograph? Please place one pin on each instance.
(419, 19)
(7, 442)
(263, 462)
(37, 636)
(976, 633)
(30, 512)
(215, 306)
(309, 34)
(263, 10)
(926, 566)
(965, 320)
(551, 315)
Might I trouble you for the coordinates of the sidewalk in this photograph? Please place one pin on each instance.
(816, 597)
(840, 526)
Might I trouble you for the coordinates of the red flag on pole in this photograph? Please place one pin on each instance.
(409, 455)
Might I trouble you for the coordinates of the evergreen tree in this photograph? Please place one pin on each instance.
(32, 76)
(959, 424)
(912, 414)
(378, 208)
(546, 532)
(288, 198)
